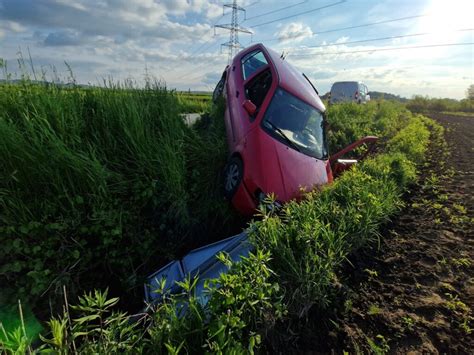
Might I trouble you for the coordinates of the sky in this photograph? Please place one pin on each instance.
(176, 42)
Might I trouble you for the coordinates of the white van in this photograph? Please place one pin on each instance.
(344, 91)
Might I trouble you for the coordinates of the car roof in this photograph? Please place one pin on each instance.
(291, 79)
(348, 82)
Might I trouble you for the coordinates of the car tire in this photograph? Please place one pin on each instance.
(233, 174)
(219, 90)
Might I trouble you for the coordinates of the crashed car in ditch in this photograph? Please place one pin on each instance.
(276, 131)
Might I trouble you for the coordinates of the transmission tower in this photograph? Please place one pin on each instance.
(233, 44)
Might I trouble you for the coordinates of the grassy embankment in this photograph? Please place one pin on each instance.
(117, 141)
(98, 187)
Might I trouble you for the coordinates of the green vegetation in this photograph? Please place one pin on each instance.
(101, 186)
(106, 180)
(421, 104)
(189, 102)
(17, 324)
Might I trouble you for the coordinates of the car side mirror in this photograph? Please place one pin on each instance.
(250, 107)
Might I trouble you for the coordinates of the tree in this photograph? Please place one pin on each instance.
(470, 92)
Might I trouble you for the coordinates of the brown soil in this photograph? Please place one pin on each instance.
(415, 293)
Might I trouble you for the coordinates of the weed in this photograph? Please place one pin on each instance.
(461, 262)
(465, 325)
(374, 310)
(447, 286)
(455, 304)
(408, 322)
(442, 262)
(372, 273)
(459, 208)
(378, 346)
(348, 305)
(461, 311)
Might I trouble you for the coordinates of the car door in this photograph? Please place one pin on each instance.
(244, 68)
(256, 82)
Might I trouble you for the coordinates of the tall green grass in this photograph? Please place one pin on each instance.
(108, 180)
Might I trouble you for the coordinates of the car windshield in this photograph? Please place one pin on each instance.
(296, 124)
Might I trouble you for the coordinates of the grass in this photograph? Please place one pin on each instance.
(193, 103)
(107, 180)
(10, 321)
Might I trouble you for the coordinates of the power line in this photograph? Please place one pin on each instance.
(372, 24)
(252, 4)
(277, 10)
(385, 49)
(199, 49)
(347, 28)
(384, 38)
(210, 39)
(196, 67)
(299, 14)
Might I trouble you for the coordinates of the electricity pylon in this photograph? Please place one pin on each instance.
(233, 44)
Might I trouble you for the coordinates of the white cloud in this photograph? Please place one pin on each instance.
(123, 37)
(343, 39)
(296, 32)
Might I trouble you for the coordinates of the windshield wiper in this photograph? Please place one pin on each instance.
(283, 135)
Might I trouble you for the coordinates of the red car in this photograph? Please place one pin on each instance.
(276, 130)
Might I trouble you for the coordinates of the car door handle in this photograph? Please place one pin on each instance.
(237, 93)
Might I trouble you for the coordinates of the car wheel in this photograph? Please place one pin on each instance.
(233, 174)
(218, 90)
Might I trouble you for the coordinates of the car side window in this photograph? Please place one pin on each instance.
(257, 89)
(251, 62)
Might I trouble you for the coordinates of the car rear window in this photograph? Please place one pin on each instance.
(251, 62)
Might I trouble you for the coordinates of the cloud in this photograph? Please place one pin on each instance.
(123, 37)
(296, 32)
(112, 18)
(342, 40)
(64, 38)
(323, 74)
(10, 27)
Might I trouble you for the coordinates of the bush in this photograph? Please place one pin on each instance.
(421, 104)
(350, 122)
(242, 308)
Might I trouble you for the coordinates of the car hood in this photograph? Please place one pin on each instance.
(297, 171)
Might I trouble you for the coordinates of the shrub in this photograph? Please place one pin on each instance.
(239, 312)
